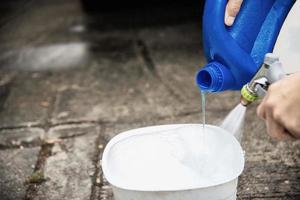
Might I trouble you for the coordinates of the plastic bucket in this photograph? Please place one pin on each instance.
(130, 165)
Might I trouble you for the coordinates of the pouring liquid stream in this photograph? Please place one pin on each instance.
(202, 133)
(233, 122)
(203, 105)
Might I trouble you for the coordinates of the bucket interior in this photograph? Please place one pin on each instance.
(172, 158)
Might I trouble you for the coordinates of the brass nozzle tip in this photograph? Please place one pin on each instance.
(244, 101)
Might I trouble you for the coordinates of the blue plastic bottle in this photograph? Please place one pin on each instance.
(235, 53)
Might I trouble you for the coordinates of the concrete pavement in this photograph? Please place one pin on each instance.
(75, 80)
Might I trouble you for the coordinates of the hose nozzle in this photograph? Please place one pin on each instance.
(270, 72)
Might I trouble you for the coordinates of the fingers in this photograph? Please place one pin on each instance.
(275, 130)
(280, 108)
(232, 9)
(261, 113)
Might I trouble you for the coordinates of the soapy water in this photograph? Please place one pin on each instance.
(173, 159)
(234, 121)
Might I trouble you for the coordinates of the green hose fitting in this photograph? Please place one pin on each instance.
(247, 96)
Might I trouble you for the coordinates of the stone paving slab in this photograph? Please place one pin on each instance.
(70, 168)
(16, 166)
(71, 130)
(27, 103)
(177, 55)
(269, 180)
(121, 77)
(21, 137)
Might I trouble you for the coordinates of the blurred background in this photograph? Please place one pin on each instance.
(35, 23)
(53, 35)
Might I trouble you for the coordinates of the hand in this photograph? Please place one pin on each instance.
(281, 108)
(232, 9)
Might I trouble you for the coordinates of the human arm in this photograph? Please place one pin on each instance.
(280, 108)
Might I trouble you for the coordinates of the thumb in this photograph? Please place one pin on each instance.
(232, 9)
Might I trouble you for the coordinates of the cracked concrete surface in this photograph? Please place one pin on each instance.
(71, 80)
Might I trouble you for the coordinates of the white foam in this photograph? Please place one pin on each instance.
(174, 159)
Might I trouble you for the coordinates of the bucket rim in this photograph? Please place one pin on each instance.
(136, 131)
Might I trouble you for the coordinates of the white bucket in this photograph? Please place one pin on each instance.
(130, 165)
